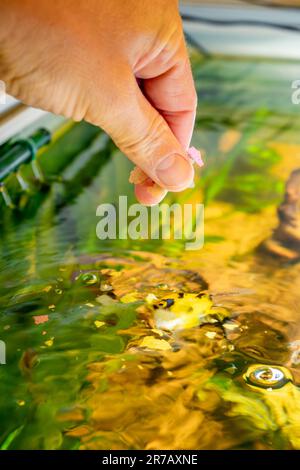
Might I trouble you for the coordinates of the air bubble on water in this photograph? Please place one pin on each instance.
(267, 377)
(89, 279)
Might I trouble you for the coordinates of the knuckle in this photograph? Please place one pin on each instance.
(140, 140)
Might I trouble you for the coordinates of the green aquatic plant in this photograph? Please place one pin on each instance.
(250, 183)
(243, 174)
(11, 437)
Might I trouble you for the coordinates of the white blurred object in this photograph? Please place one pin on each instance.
(2, 93)
(256, 40)
(16, 118)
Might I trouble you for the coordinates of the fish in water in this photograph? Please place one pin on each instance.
(183, 310)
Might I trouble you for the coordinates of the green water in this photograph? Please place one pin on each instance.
(86, 366)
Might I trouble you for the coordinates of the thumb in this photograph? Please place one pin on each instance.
(143, 135)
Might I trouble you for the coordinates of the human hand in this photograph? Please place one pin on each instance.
(121, 65)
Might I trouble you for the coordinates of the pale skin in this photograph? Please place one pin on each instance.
(119, 64)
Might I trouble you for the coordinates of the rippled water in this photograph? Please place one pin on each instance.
(87, 365)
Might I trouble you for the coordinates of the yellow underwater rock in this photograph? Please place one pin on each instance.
(150, 342)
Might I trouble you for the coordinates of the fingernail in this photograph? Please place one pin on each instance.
(175, 171)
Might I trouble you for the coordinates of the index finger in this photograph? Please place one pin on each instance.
(174, 96)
